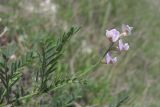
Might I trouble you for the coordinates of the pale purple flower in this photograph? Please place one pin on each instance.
(109, 59)
(123, 46)
(127, 29)
(113, 35)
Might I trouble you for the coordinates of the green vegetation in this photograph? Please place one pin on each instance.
(133, 81)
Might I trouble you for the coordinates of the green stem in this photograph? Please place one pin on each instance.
(108, 49)
(95, 65)
(36, 93)
(28, 96)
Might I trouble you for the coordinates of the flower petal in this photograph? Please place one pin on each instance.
(122, 46)
(113, 35)
(109, 59)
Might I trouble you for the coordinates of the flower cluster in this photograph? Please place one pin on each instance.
(115, 37)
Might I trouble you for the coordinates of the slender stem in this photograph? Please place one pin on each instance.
(95, 65)
(60, 86)
(108, 50)
(36, 93)
(28, 96)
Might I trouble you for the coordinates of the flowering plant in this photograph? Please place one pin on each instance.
(47, 56)
(115, 36)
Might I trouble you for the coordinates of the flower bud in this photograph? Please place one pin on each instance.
(126, 29)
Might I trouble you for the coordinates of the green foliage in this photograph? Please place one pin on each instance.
(138, 71)
(10, 73)
(49, 57)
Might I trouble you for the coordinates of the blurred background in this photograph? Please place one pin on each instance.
(138, 70)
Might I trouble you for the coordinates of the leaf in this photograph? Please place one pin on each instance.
(53, 59)
(3, 80)
(14, 81)
(50, 55)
